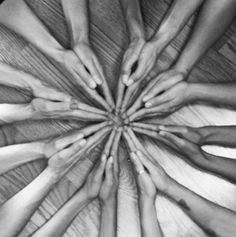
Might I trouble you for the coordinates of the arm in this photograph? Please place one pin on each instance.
(134, 21)
(58, 224)
(76, 14)
(15, 213)
(214, 219)
(206, 31)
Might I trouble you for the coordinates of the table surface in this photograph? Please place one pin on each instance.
(109, 39)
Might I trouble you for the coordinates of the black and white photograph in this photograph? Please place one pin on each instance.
(117, 118)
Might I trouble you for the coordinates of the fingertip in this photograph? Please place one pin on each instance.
(162, 127)
(148, 104)
(125, 79)
(111, 160)
(129, 82)
(80, 136)
(103, 158)
(82, 142)
(92, 84)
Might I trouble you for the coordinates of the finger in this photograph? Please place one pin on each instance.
(109, 171)
(138, 114)
(154, 135)
(80, 69)
(56, 106)
(179, 142)
(86, 116)
(145, 161)
(129, 142)
(55, 95)
(99, 171)
(107, 148)
(68, 152)
(137, 164)
(153, 127)
(75, 105)
(119, 96)
(65, 141)
(129, 92)
(158, 100)
(92, 67)
(94, 128)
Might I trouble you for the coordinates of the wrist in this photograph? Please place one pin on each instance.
(136, 30)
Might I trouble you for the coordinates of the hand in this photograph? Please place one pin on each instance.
(42, 108)
(130, 58)
(129, 63)
(146, 187)
(187, 148)
(64, 159)
(157, 173)
(108, 191)
(194, 135)
(93, 183)
(147, 59)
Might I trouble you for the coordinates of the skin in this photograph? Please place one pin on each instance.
(212, 218)
(59, 223)
(76, 14)
(18, 209)
(166, 92)
(147, 194)
(37, 34)
(182, 140)
(41, 149)
(134, 22)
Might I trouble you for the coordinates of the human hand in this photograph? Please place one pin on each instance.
(146, 187)
(108, 191)
(43, 108)
(147, 59)
(60, 163)
(128, 67)
(94, 180)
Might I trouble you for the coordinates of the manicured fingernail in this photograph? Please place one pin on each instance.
(148, 104)
(129, 82)
(125, 79)
(82, 142)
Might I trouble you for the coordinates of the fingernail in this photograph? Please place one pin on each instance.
(82, 142)
(162, 133)
(162, 127)
(104, 157)
(139, 152)
(93, 85)
(111, 159)
(132, 155)
(129, 82)
(80, 136)
(98, 80)
(145, 98)
(125, 79)
(148, 104)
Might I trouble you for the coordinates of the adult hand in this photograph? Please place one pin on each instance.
(43, 108)
(157, 173)
(108, 191)
(147, 59)
(129, 64)
(146, 187)
(93, 183)
(64, 159)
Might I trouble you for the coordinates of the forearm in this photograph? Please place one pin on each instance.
(221, 93)
(14, 112)
(149, 224)
(108, 224)
(76, 14)
(16, 155)
(16, 212)
(212, 21)
(174, 20)
(214, 219)
(133, 16)
(218, 135)
(58, 224)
